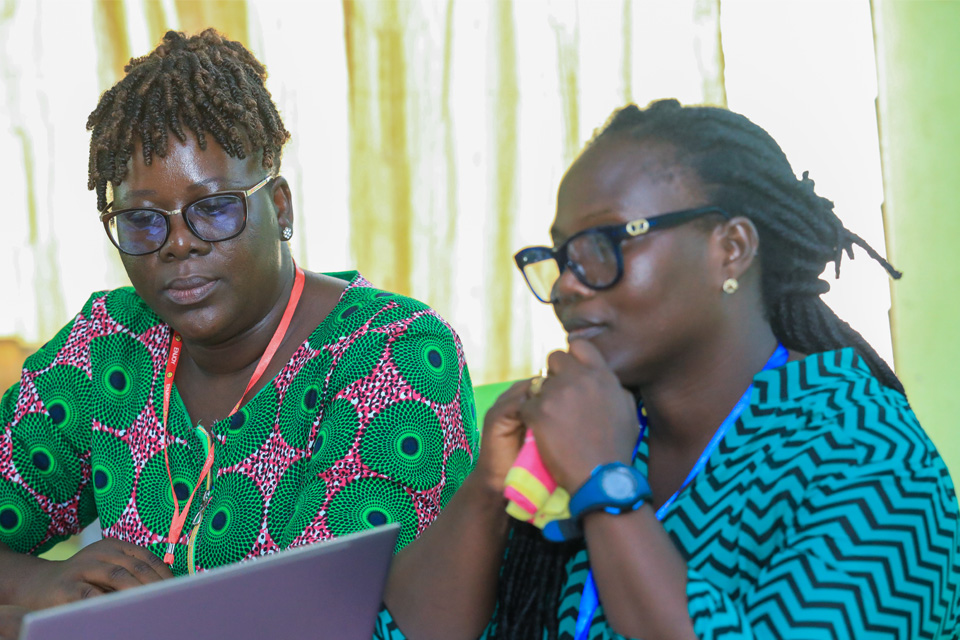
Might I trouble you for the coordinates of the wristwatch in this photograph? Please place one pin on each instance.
(615, 488)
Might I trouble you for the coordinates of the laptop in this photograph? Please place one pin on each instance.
(328, 590)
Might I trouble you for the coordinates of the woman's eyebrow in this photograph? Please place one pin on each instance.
(217, 180)
(558, 235)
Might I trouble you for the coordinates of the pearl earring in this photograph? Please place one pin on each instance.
(730, 286)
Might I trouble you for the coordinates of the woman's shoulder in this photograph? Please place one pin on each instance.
(830, 406)
(364, 305)
(105, 313)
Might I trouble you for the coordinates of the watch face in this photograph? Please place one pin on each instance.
(619, 484)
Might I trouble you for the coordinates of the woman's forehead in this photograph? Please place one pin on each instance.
(185, 166)
(620, 179)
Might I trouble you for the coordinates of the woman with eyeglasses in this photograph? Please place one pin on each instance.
(741, 463)
(229, 404)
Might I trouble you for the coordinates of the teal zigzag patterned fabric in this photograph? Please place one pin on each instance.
(826, 512)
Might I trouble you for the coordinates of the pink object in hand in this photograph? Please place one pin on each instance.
(528, 483)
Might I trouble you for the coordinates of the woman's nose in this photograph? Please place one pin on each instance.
(182, 241)
(568, 287)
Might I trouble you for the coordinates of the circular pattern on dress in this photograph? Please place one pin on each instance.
(46, 354)
(122, 376)
(405, 442)
(350, 314)
(281, 504)
(154, 497)
(459, 465)
(301, 402)
(468, 412)
(66, 392)
(87, 506)
(22, 523)
(44, 460)
(363, 356)
(366, 502)
(427, 358)
(354, 310)
(179, 567)
(112, 476)
(405, 307)
(248, 428)
(231, 522)
(130, 311)
(308, 504)
(8, 399)
(178, 421)
(337, 433)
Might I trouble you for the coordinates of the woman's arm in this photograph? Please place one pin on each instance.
(444, 585)
(45, 493)
(107, 565)
(867, 551)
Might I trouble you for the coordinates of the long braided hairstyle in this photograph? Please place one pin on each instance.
(745, 173)
(205, 83)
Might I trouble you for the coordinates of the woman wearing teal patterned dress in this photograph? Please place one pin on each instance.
(741, 462)
(228, 405)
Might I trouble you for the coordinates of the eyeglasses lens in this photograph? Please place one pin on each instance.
(216, 218)
(138, 232)
(593, 256)
(541, 276)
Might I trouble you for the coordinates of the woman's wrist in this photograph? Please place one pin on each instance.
(485, 489)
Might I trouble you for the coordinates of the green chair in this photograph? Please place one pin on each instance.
(484, 395)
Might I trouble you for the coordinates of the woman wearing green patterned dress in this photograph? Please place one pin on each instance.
(228, 405)
(741, 462)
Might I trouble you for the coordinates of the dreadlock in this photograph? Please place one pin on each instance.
(531, 584)
(745, 173)
(206, 83)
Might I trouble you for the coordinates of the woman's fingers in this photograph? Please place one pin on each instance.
(142, 564)
(10, 619)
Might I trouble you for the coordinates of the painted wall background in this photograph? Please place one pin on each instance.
(430, 136)
(918, 54)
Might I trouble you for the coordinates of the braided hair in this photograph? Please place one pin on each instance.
(745, 173)
(205, 83)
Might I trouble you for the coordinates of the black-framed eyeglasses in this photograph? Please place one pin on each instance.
(213, 218)
(594, 255)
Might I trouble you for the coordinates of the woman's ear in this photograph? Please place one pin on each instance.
(739, 243)
(282, 202)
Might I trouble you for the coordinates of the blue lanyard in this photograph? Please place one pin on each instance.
(589, 601)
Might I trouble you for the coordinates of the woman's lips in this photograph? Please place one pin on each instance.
(585, 332)
(186, 291)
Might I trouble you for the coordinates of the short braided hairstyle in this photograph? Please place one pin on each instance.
(745, 173)
(206, 83)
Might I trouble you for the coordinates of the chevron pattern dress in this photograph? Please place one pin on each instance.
(826, 512)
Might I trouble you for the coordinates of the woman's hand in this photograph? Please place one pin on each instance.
(104, 566)
(582, 417)
(503, 432)
(10, 619)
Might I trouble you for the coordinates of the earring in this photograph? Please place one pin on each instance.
(287, 233)
(730, 286)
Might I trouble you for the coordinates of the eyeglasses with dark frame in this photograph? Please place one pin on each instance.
(213, 218)
(594, 255)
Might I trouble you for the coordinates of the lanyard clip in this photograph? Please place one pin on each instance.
(207, 496)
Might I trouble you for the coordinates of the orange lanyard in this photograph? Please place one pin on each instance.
(176, 346)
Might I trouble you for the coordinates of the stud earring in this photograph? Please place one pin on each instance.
(287, 233)
(730, 286)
